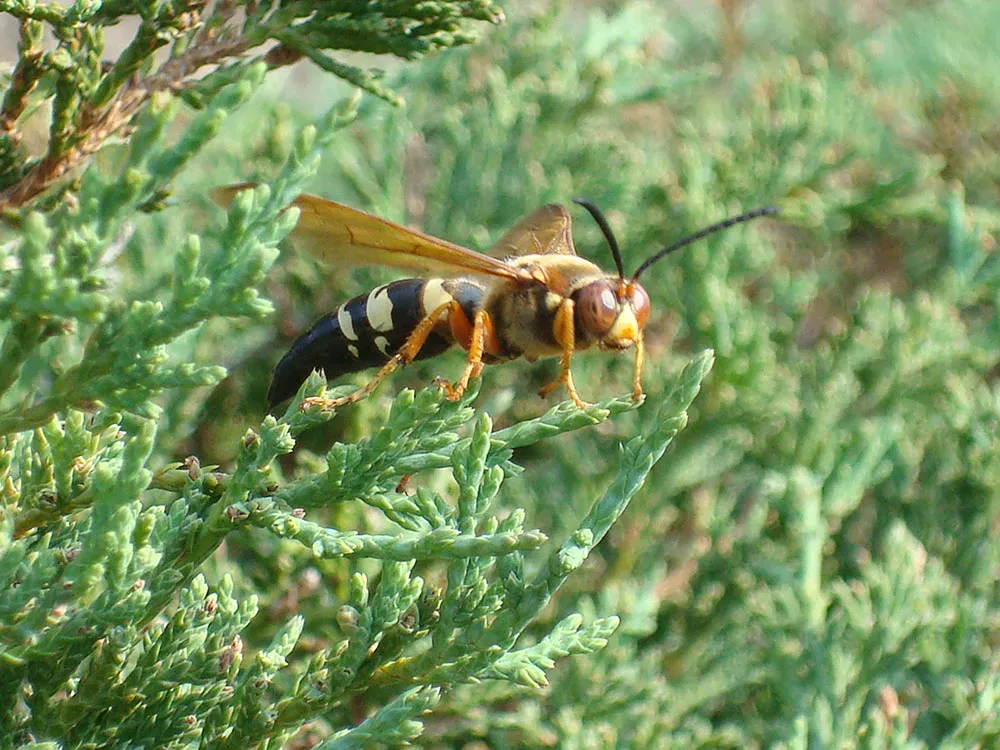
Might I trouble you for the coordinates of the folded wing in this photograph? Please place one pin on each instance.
(341, 235)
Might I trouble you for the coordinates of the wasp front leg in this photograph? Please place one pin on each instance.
(563, 329)
(637, 394)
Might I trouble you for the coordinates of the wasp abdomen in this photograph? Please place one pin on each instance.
(369, 329)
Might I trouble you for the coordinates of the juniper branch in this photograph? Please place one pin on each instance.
(86, 117)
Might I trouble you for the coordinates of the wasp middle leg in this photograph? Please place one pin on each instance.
(564, 331)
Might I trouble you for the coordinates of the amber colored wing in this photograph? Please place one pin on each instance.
(548, 229)
(342, 235)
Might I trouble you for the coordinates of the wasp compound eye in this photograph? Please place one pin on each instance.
(640, 304)
(596, 307)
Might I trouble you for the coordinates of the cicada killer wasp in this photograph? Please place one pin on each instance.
(530, 297)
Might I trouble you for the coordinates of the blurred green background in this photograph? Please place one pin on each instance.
(814, 562)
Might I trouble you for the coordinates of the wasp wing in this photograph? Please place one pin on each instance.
(545, 230)
(342, 235)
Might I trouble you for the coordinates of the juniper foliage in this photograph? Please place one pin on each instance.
(117, 628)
(813, 565)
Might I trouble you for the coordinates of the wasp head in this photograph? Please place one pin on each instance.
(613, 311)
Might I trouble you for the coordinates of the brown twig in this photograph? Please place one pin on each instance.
(175, 74)
(23, 81)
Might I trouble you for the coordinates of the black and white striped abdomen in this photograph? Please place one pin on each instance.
(369, 329)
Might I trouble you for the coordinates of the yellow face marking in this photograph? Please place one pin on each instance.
(353, 350)
(625, 327)
(346, 324)
(378, 308)
(383, 344)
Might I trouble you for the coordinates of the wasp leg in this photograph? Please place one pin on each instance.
(406, 354)
(637, 394)
(482, 328)
(565, 335)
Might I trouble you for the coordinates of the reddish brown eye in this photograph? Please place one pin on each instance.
(596, 307)
(640, 304)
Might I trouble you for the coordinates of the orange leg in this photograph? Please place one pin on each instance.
(637, 394)
(406, 354)
(564, 331)
(481, 326)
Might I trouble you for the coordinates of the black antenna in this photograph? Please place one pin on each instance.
(606, 229)
(757, 212)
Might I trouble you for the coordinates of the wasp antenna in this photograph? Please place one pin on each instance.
(606, 230)
(756, 213)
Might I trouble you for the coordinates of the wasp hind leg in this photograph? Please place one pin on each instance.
(564, 331)
(406, 354)
(482, 329)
